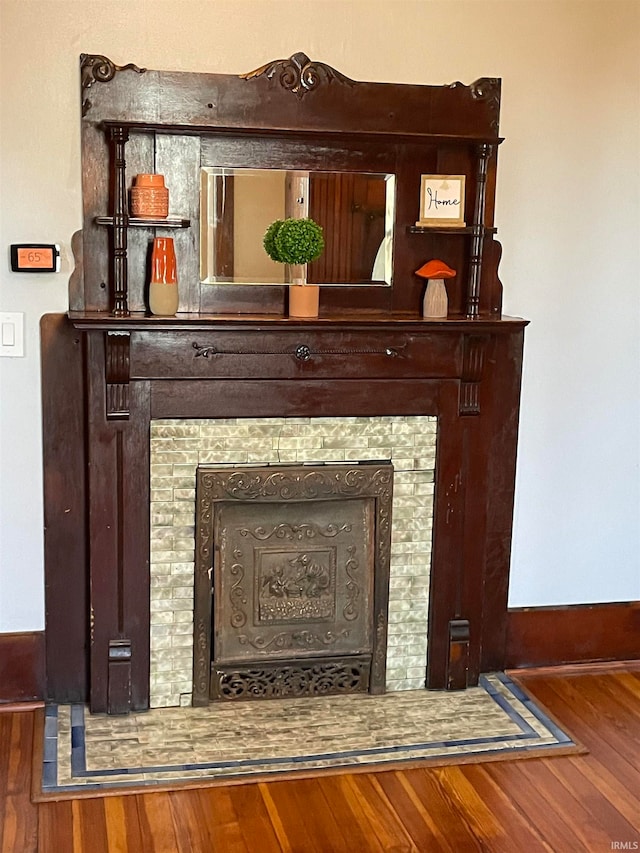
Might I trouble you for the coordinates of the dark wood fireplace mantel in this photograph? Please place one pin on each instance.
(109, 369)
(467, 374)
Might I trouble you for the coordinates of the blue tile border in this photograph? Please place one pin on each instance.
(530, 705)
(274, 766)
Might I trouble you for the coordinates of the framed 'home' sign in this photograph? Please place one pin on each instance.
(441, 201)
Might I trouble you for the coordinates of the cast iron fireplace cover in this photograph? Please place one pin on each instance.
(292, 576)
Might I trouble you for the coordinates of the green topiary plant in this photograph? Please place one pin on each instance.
(269, 241)
(294, 241)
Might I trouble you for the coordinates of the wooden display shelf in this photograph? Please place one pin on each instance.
(135, 222)
(428, 229)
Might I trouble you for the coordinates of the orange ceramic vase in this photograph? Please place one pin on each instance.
(163, 288)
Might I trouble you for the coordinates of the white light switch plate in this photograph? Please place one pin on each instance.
(12, 335)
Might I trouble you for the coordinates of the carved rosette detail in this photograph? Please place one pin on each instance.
(95, 68)
(299, 74)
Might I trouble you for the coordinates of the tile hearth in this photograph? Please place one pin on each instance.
(169, 745)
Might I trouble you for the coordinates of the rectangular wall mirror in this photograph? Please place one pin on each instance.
(356, 211)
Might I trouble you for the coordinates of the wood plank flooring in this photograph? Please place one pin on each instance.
(573, 804)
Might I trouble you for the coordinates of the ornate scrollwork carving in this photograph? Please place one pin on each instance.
(285, 485)
(485, 89)
(299, 74)
(293, 532)
(237, 597)
(350, 675)
(488, 89)
(350, 611)
(97, 68)
(295, 640)
(203, 352)
(201, 655)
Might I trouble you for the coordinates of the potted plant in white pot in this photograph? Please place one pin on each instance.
(297, 242)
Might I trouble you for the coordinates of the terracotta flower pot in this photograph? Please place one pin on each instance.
(304, 300)
(149, 197)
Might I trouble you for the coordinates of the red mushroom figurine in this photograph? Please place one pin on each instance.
(435, 303)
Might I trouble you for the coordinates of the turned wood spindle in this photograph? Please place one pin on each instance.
(483, 151)
(119, 136)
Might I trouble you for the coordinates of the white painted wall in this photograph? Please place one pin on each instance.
(567, 209)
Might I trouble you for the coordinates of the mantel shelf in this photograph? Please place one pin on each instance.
(141, 321)
(134, 222)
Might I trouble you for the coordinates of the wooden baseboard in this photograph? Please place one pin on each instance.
(577, 633)
(22, 676)
(536, 636)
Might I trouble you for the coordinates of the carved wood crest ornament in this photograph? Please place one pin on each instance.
(485, 89)
(299, 74)
(97, 68)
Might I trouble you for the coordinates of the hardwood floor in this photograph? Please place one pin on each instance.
(577, 803)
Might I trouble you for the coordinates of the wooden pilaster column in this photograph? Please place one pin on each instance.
(118, 534)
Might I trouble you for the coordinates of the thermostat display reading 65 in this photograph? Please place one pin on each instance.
(35, 257)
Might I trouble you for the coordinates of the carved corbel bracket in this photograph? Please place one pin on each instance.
(472, 369)
(97, 68)
(117, 345)
(299, 74)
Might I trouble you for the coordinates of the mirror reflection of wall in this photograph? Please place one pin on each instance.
(257, 202)
(356, 211)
